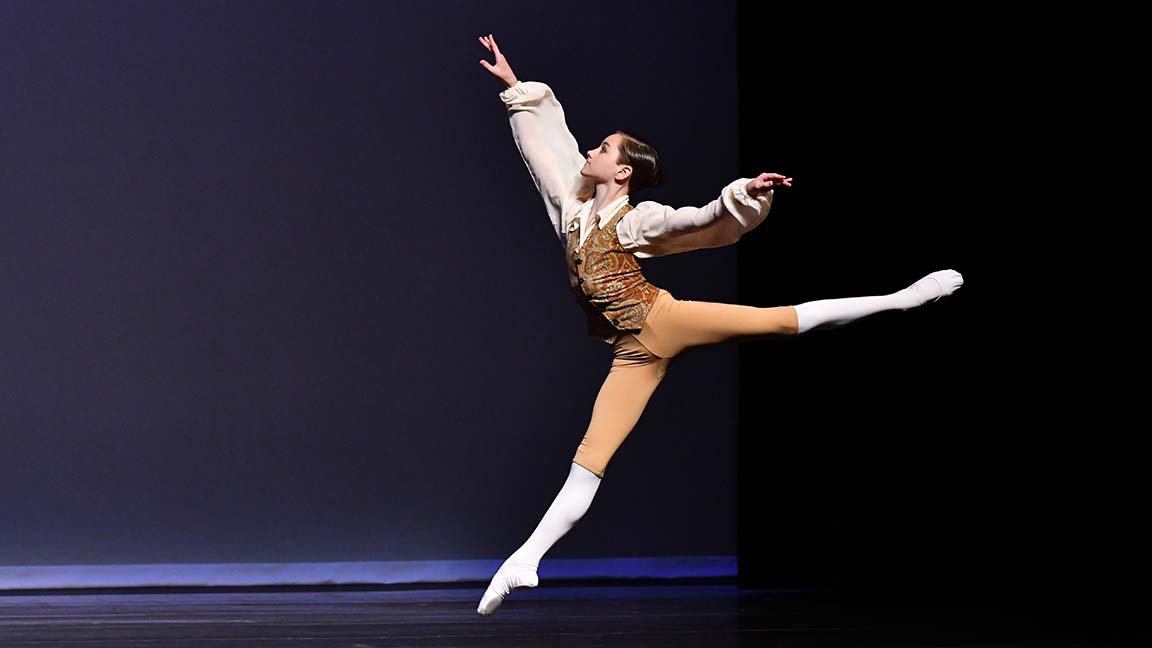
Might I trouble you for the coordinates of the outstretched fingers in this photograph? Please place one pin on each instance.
(489, 42)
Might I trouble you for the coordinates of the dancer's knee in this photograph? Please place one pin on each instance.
(777, 321)
(587, 462)
(789, 321)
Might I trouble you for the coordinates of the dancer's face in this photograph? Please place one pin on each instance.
(602, 164)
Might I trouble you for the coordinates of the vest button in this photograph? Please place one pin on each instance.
(581, 280)
(615, 322)
(578, 260)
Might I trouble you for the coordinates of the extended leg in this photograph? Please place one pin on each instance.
(674, 325)
(634, 375)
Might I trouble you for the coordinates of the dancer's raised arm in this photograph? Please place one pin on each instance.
(538, 127)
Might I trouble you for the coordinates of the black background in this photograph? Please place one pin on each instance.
(958, 459)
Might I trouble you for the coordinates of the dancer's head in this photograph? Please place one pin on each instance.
(624, 159)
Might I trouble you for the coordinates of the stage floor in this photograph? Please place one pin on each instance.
(550, 616)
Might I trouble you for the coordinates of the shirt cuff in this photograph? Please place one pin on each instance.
(742, 195)
(521, 91)
(745, 208)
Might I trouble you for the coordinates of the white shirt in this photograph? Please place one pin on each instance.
(650, 229)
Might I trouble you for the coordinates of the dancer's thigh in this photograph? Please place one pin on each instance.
(633, 377)
(673, 324)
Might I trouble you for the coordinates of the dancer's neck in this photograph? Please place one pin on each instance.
(606, 194)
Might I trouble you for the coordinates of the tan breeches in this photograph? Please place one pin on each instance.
(640, 360)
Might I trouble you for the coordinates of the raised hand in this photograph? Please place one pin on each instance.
(766, 182)
(501, 70)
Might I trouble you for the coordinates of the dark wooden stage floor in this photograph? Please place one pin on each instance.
(551, 616)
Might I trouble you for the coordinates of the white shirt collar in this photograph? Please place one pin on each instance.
(607, 212)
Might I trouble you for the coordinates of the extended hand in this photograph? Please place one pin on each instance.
(502, 70)
(766, 182)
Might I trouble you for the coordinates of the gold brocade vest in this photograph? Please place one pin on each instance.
(607, 280)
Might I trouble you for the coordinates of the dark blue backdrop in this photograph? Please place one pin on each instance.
(278, 287)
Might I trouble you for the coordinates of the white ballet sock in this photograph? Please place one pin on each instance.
(837, 312)
(519, 570)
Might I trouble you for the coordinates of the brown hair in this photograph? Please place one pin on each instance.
(645, 162)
